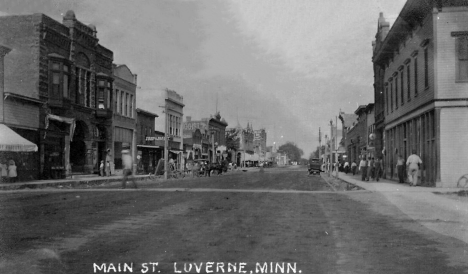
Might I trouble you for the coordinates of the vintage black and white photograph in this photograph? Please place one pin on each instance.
(234, 136)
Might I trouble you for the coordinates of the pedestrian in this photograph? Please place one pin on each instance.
(413, 165)
(353, 167)
(400, 166)
(108, 162)
(363, 168)
(370, 169)
(346, 167)
(3, 172)
(12, 173)
(377, 168)
(127, 163)
(101, 168)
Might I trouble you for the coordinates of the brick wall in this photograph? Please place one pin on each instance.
(21, 34)
(453, 147)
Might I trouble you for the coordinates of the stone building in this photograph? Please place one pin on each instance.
(421, 79)
(53, 75)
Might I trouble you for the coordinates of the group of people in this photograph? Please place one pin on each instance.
(372, 168)
(8, 172)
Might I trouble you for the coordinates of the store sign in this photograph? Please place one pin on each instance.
(195, 125)
(153, 138)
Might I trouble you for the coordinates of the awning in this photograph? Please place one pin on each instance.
(70, 121)
(176, 151)
(12, 141)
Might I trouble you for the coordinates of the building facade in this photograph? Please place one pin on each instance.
(356, 140)
(148, 151)
(124, 116)
(66, 68)
(421, 71)
(217, 127)
(174, 117)
(197, 139)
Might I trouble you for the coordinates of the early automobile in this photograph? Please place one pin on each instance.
(315, 167)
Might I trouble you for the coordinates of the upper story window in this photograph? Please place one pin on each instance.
(103, 93)
(408, 82)
(84, 95)
(415, 77)
(426, 67)
(116, 97)
(388, 95)
(462, 57)
(60, 79)
(396, 91)
(402, 77)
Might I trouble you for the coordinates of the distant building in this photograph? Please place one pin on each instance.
(357, 134)
(148, 150)
(217, 126)
(420, 80)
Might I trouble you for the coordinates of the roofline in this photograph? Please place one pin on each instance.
(146, 112)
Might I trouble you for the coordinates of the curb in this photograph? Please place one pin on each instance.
(67, 183)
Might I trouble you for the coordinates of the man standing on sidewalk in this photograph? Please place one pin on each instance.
(413, 164)
(127, 163)
(400, 166)
(363, 168)
(377, 168)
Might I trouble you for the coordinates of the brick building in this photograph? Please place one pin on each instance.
(357, 134)
(421, 76)
(217, 126)
(51, 79)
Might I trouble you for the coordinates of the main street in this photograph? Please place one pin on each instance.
(276, 221)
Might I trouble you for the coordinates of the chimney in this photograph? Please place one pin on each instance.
(188, 118)
(135, 77)
(384, 26)
(3, 51)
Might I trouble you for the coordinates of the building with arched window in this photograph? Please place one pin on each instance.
(61, 80)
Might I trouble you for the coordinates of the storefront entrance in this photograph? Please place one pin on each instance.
(78, 148)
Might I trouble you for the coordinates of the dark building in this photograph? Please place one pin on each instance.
(217, 127)
(55, 71)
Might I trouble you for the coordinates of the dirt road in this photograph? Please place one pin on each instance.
(207, 231)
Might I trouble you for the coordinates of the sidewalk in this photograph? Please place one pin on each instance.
(390, 185)
(438, 209)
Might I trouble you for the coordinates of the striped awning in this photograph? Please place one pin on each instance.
(12, 141)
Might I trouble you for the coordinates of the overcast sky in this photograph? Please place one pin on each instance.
(286, 66)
